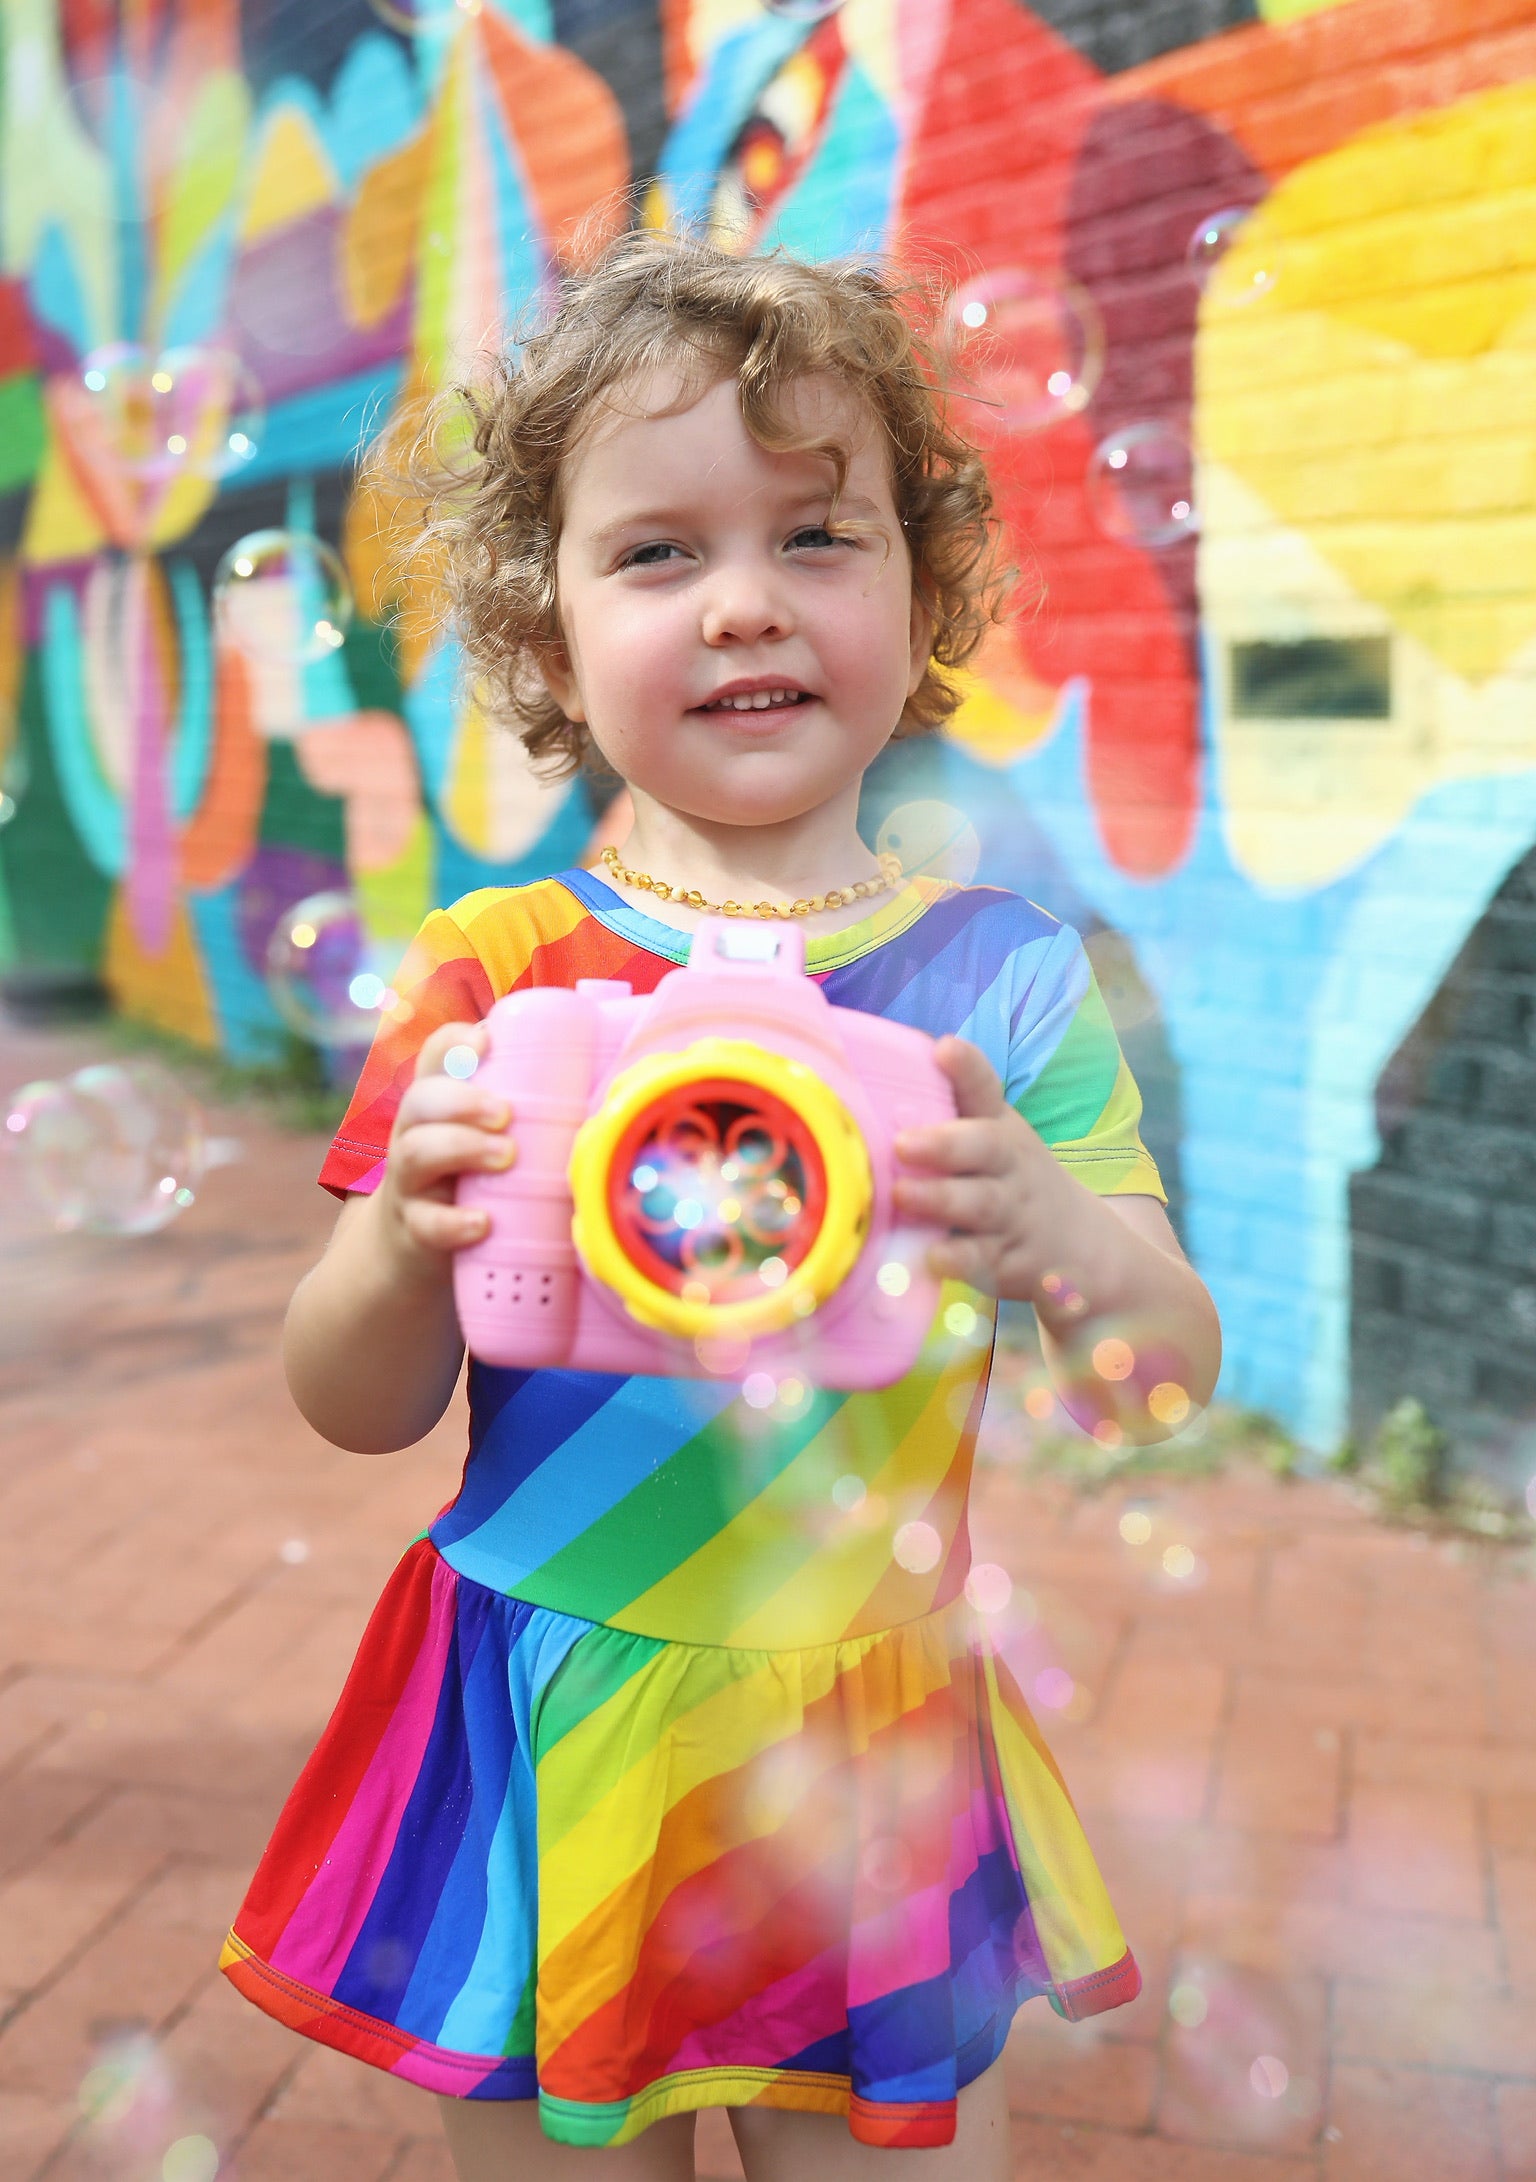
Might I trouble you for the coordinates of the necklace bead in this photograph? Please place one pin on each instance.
(837, 897)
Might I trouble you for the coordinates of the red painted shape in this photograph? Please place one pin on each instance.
(1012, 103)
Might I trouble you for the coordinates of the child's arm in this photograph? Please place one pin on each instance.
(1023, 1228)
(371, 1344)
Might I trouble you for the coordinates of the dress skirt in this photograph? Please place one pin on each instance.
(539, 1857)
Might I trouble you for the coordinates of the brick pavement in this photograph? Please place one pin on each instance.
(1308, 1766)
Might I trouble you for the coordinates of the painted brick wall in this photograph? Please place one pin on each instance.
(1278, 765)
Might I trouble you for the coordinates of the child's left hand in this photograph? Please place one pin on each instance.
(1011, 1208)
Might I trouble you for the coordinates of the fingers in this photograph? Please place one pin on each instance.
(443, 1228)
(429, 1062)
(957, 1147)
(970, 1204)
(432, 1154)
(977, 1089)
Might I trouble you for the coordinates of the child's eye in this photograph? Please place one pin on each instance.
(816, 535)
(649, 556)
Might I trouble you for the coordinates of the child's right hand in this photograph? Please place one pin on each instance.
(446, 1126)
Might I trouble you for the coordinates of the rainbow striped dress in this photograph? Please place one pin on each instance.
(675, 1768)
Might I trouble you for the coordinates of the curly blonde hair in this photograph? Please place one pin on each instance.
(486, 465)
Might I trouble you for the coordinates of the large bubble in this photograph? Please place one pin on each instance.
(283, 594)
(185, 411)
(324, 976)
(931, 839)
(1141, 485)
(1025, 346)
(1230, 275)
(116, 1149)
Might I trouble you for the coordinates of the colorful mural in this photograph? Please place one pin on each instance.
(1276, 754)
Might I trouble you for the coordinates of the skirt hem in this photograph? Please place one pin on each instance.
(892, 2125)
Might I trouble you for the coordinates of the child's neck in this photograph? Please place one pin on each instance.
(793, 860)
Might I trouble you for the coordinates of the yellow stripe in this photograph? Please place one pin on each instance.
(1111, 1159)
(839, 1562)
(1078, 1929)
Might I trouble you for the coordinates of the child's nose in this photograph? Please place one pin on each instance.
(744, 603)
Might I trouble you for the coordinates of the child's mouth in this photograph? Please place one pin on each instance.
(758, 700)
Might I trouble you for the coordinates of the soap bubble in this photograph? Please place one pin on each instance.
(1248, 276)
(190, 411)
(1026, 346)
(323, 974)
(988, 1587)
(917, 1547)
(1141, 485)
(931, 840)
(116, 1149)
(283, 594)
(190, 2159)
(415, 16)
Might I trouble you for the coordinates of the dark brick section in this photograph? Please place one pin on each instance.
(1443, 1292)
(1117, 34)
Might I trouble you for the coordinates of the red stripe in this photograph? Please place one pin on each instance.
(324, 1791)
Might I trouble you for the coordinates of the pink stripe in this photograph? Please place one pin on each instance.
(901, 1946)
(810, 2003)
(321, 1933)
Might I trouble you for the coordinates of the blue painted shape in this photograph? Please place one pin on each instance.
(94, 807)
(194, 726)
(431, 711)
(728, 87)
(194, 311)
(1282, 1008)
(54, 293)
(841, 205)
(323, 427)
(249, 1027)
(375, 106)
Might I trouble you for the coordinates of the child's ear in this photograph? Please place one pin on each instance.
(559, 678)
(921, 639)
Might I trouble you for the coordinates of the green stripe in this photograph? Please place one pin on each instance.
(1077, 1082)
(583, 2121)
(673, 1512)
(594, 1668)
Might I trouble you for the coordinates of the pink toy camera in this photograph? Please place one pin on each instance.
(703, 1175)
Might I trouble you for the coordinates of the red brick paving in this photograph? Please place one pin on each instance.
(1309, 1771)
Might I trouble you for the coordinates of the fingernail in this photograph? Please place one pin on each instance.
(496, 1117)
(476, 1223)
(499, 1155)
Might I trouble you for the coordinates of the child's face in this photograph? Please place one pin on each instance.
(693, 566)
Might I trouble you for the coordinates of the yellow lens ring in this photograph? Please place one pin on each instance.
(844, 1156)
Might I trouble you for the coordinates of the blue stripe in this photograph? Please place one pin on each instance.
(608, 1434)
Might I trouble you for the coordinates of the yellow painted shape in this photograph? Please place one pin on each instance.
(993, 729)
(1380, 398)
(1291, 11)
(1305, 800)
(168, 990)
(395, 900)
(293, 176)
(207, 172)
(61, 523)
(466, 792)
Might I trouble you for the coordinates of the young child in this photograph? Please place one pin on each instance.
(675, 1769)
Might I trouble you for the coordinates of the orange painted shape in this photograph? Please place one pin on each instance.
(382, 233)
(367, 759)
(220, 838)
(168, 989)
(1289, 92)
(568, 130)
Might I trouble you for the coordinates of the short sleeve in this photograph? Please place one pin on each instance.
(1068, 1077)
(440, 980)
